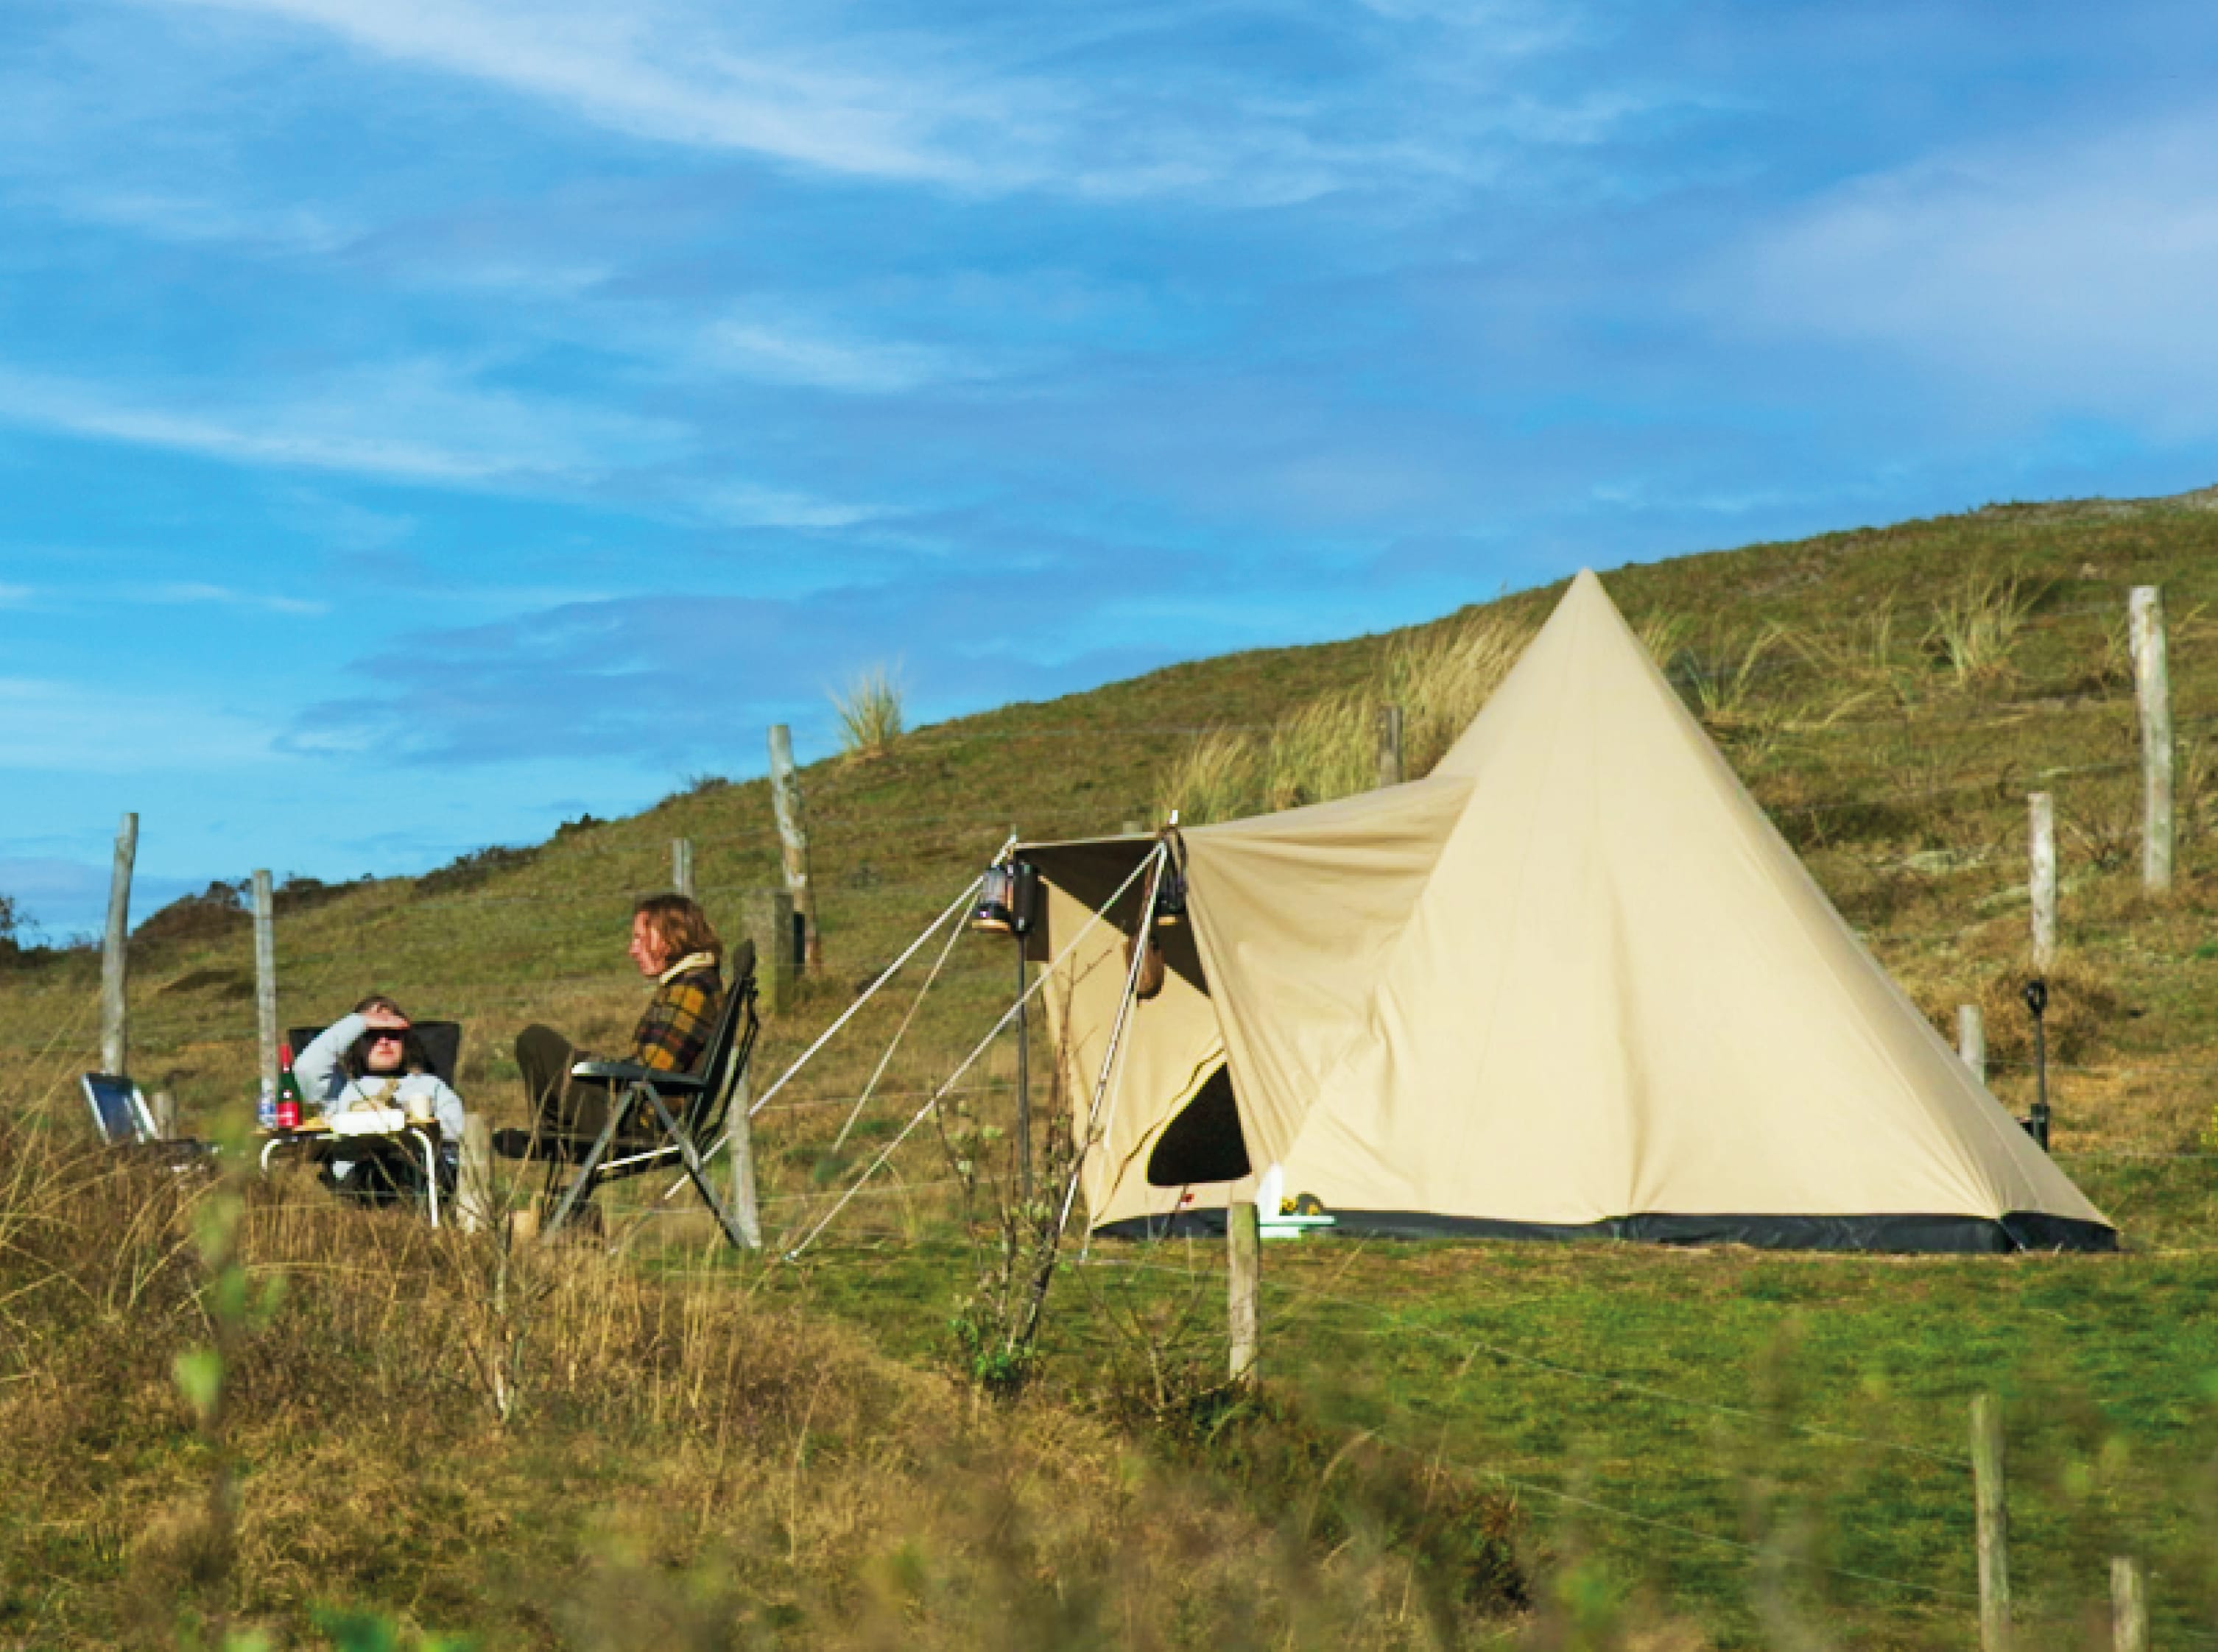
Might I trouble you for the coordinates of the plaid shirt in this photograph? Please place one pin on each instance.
(673, 1034)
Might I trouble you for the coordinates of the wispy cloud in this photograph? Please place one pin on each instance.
(2075, 266)
(205, 218)
(187, 593)
(741, 504)
(679, 76)
(79, 728)
(413, 421)
(1100, 105)
(793, 353)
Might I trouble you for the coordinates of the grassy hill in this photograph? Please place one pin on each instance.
(1743, 1449)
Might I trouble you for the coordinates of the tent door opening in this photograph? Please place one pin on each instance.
(1203, 1141)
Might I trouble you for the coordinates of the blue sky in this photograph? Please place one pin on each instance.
(421, 420)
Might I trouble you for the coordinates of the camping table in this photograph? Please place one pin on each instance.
(313, 1133)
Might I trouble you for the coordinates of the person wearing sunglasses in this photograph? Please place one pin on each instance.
(372, 1058)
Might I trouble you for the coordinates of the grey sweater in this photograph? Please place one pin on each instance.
(326, 1084)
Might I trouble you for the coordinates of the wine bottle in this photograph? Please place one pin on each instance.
(288, 1091)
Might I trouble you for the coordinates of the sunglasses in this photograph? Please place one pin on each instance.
(384, 1035)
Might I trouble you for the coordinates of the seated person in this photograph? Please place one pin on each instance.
(673, 946)
(370, 1058)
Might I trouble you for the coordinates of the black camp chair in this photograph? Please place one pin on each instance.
(386, 1174)
(125, 1123)
(655, 1119)
(442, 1041)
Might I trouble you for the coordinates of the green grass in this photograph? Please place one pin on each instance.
(1896, 760)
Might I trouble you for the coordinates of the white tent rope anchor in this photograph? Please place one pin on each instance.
(1007, 1015)
(1111, 1069)
(826, 1037)
(900, 1032)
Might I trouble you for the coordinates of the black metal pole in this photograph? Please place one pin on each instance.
(2036, 999)
(1024, 1082)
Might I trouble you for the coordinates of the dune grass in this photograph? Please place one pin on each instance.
(1328, 746)
(870, 709)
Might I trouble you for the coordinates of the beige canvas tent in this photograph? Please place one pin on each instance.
(1572, 982)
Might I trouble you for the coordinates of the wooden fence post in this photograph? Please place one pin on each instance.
(2153, 690)
(1390, 745)
(767, 916)
(2041, 883)
(1243, 1241)
(681, 867)
(1992, 1508)
(793, 840)
(163, 1106)
(116, 955)
(266, 977)
(474, 1206)
(1971, 1039)
(740, 1143)
(2128, 1606)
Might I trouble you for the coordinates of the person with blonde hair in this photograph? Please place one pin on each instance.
(673, 944)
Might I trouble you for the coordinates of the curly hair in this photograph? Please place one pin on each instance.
(677, 922)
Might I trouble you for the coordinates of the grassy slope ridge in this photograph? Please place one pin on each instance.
(1696, 1407)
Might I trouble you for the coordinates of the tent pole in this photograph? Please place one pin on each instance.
(1024, 1082)
(1109, 1068)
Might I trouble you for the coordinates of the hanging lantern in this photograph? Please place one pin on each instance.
(1170, 893)
(1008, 899)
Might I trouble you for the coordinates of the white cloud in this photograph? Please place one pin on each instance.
(793, 354)
(415, 422)
(202, 219)
(1041, 100)
(185, 593)
(741, 504)
(2075, 270)
(80, 729)
(677, 78)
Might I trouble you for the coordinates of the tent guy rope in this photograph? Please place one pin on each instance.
(992, 1032)
(848, 1014)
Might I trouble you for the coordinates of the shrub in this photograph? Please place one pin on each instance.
(467, 871)
(216, 911)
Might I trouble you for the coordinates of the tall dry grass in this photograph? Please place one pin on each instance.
(870, 710)
(1217, 777)
(1328, 747)
(1863, 656)
(1975, 629)
(1442, 676)
(549, 1445)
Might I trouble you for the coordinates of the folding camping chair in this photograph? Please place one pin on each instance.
(125, 1122)
(654, 1117)
(442, 1044)
(442, 1041)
